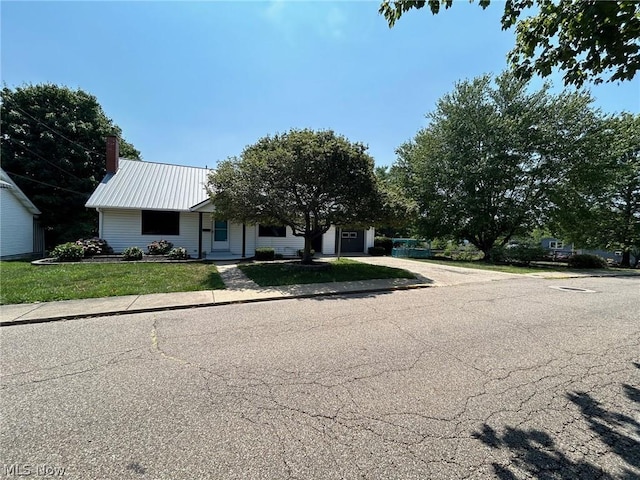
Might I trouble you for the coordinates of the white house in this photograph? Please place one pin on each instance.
(140, 202)
(20, 232)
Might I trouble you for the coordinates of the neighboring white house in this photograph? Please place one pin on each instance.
(140, 202)
(20, 233)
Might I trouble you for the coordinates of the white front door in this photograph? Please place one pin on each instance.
(220, 235)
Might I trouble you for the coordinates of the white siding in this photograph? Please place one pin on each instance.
(235, 239)
(16, 226)
(122, 229)
(287, 246)
(329, 242)
(369, 238)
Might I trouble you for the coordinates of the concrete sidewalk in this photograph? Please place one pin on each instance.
(236, 293)
(241, 289)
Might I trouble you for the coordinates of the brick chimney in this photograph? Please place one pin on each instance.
(113, 153)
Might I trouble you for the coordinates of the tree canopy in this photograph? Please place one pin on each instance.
(586, 39)
(304, 179)
(598, 205)
(53, 147)
(484, 169)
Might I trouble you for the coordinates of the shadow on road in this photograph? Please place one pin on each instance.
(536, 453)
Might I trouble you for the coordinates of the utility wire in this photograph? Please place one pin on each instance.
(86, 150)
(48, 184)
(16, 142)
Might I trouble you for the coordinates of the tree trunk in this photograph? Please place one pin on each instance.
(626, 259)
(307, 258)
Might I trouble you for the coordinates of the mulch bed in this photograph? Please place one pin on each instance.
(118, 259)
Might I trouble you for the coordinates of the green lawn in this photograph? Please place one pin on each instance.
(343, 270)
(22, 282)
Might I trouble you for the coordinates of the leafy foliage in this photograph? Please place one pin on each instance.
(161, 247)
(485, 167)
(584, 38)
(587, 261)
(95, 246)
(304, 179)
(53, 147)
(599, 203)
(385, 243)
(68, 252)
(132, 253)
(376, 251)
(178, 253)
(265, 254)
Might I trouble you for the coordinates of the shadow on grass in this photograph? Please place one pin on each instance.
(536, 453)
(212, 281)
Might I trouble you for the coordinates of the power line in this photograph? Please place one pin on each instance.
(86, 150)
(48, 184)
(16, 142)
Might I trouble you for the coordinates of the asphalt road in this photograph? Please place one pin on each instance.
(504, 379)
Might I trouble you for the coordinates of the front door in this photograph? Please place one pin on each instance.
(220, 237)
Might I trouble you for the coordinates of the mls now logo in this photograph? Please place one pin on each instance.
(27, 470)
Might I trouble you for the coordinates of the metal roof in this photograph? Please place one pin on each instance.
(151, 186)
(6, 182)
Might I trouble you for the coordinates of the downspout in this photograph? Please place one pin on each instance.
(244, 240)
(199, 234)
(100, 221)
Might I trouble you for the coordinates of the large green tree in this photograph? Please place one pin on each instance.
(586, 39)
(598, 204)
(53, 147)
(484, 168)
(304, 179)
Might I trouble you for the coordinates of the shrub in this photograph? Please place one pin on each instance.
(524, 254)
(279, 256)
(68, 252)
(385, 243)
(161, 247)
(468, 253)
(587, 261)
(265, 254)
(376, 251)
(301, 252)
(132, 253)
(179, 253)
(95, 246)
(498, 255)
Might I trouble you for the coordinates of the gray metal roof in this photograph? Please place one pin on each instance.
(151, 186)
(6, 182)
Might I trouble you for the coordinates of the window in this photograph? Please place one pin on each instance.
(220, 231)
(272, 231)
(160, 223)
(555, 245)
(349, 234)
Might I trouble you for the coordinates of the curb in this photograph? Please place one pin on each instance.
(9, 323)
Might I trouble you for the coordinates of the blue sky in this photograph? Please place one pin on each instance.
(194, 83)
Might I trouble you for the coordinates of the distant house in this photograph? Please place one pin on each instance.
(560, 249)
(139, 202)
(20, 232)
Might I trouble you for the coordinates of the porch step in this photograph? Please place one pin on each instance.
(223, 255)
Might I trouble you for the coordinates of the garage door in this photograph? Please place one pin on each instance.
(352, 241)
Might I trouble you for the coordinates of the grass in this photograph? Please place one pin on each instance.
(480, 265)
(22, 282)
(343, 270)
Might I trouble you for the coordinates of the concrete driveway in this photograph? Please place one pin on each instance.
(438, 275)
(486, 380)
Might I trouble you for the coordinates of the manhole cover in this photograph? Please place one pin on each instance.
(572, 289)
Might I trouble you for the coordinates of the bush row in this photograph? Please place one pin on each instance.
(76, 251)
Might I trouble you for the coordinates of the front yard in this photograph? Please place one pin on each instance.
(343, 270)
(22, 282)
